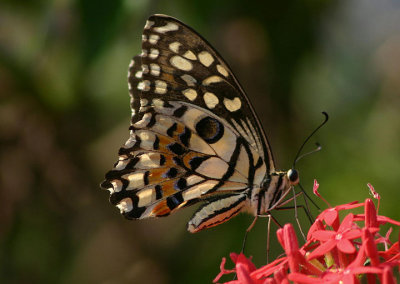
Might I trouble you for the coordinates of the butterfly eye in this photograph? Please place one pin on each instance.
(293, 176)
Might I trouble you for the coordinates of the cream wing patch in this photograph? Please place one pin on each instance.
(181, 63)
(210, 100)
(191, 94)
(206, 58)
(232, 105)
(169, 27)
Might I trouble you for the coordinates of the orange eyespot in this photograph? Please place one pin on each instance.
(293, 176)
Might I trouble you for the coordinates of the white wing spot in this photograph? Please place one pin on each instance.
(138, 74)
(117, 185)
(146, 196)
(190, 80)
(153, 39)
(212, 79)
(222, 70)
(143, 102)
(144, 85)
(206, 58)
(181, 63)
(144, 121)
(125, 205)
(155, 69)
(190, 55)
(158, 103)
(144, 53)
(145, 68)
(191, 94)
(148, 25)
(154, 53)
(232, 105)
(193, 179)
(210, 99)
(144, 38)
(169, 27)
(174, 47)
(130, 142)
(161, 87)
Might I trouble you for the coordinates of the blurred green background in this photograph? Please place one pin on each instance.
(64, 112)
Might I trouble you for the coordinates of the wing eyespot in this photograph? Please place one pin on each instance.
(210, 129)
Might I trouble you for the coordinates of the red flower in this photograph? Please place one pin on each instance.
(335, 251)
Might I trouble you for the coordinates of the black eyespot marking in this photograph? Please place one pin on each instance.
(162, 159)
(146, 178)
(171, 173)
(158, 189)
(152, 121)
(135, 213)
(156, 144)
(185, 136)
(176, 148)
(181, 184)
(196, 162)
(180, 111)
(177, 161)
(132, 163)
(174, 200)
(172, 129)
(210, 129)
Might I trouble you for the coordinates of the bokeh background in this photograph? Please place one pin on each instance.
(64, 112)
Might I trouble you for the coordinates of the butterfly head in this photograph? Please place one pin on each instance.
(293, 176)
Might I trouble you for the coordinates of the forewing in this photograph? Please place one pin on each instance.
(178, 64)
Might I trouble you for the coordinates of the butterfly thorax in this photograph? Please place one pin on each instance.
(273, 190)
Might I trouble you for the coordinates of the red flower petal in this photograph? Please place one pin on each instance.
(387, 277)
(222, 270)
(371, 220)
(370, 247)
(243, 274)
(291, 247)
(301, 278)
(353, 234)
(331, 216)
(345, 246)
(346, 223)
(324, 235)
(318, 225)
(242, 259)
(269, 269)
(269, 281)
(384, 220)
(322, 249)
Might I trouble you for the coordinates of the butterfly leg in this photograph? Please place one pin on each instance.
(270, 217)
(295, 207)
(247, 232)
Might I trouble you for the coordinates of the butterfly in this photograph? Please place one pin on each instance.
(194, 136)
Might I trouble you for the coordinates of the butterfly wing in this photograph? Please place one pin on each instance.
(194, 134)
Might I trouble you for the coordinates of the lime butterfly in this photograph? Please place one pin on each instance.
(194, 136)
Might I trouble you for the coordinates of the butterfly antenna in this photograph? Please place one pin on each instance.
(298, 157)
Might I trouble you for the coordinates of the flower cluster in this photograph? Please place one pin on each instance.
(336, 251)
